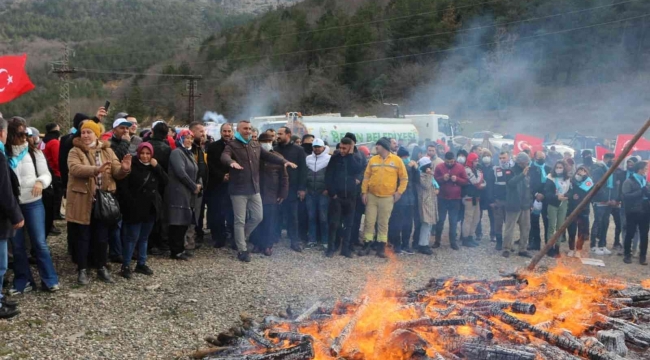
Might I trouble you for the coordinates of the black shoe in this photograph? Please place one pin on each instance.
(408, 250)
(643, 261)
(126, 272)
(256, 250)
(454, 246)
(181, 256)
(469, 242)
(627, 259)
(104, 275)
(82, 277)
(329, 254)
(296, 247)
(617, 246)
(144, 270)
(117, 259)
(7, 312)
(9, 303)
(397, 249)
(365, 250)
(425, 250)
(55, 231)
(244, 256)
(524, 254)
(435, 245)
(347, 254)
(381, 250)
(506, 254)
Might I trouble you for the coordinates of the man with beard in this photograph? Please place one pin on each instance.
(220, 213)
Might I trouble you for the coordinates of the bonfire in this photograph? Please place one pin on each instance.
(545, 314)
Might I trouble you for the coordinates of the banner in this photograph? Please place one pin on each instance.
(622, 140)
(600, 152)
(523, 142)
(14, 81)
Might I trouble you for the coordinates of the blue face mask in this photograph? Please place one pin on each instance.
(406, 161)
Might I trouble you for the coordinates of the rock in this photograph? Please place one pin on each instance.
(76, 336)
(77, 295)
(152, 287)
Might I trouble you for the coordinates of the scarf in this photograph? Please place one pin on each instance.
(542, 169)
(241, 138)
(561, 186)
(435, 183)
(15, 160)
(628, 173)
(640, 179)
(610, 179)
(586, 184)
(2, 147)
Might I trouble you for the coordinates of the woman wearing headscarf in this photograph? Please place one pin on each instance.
(92, 166)
(30, 167)
(141, 206)
(181, 192)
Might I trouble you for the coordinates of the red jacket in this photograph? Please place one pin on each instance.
(450, 190)
(51, 153)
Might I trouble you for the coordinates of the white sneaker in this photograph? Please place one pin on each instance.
(571, 253)
(577, 255)
(597, 251)
(605, 251)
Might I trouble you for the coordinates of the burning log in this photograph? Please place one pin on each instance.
(633, 314)
(483, 332)
(407, 342)
(340, 340)
(550, 352)
(633, 333)
(614, 341)
(468, 297)
(318, 317)
(258, 338)
(634, 294)
(427, 321)
(516, 338)
(523, 308)
(447, 311)
(308, 312)
(453, 343)
(290, 336)
(303, 351)
(476, 351)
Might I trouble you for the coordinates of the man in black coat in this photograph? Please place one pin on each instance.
(360, 207)
(538, 172)
(159, 239)
(161, 149)
(297, 185)
(11, 218)
(220, 213)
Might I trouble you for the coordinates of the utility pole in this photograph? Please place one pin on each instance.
(63, 69)
(191, 93)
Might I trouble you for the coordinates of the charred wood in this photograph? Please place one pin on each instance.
(308, 312)
(614, 341)
(426, 321)
(290, 336)
(304, 351)
(340, 340)
(477, 351)
(258, 338)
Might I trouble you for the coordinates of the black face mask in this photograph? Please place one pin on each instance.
(55, 134)
(309, 149)
(540, 161)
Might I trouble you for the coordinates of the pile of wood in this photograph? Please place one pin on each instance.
(451, 319)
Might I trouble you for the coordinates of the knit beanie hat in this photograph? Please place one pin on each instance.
(401, 152)
(93, 126)
(351, 136)
(385, 143)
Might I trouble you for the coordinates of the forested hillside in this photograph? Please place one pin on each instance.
(543, 63)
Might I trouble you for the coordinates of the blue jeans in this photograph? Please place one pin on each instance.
(34, 214)
(600, 226)
(4, 259)
(115, 241)
(451, 208)
(317, 207)
(136, 234)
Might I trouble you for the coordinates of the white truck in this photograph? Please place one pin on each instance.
(333, 127)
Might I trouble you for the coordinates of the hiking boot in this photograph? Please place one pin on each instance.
(524, 254)
(182, 256)
(7, 312)
(365, 250)
(469, 242)
(82, 277)
(126, 272)
(506, 254)
(144, 270)
(268, 251)
(627, 259)
(425, 250)
(104, 275)
(54, 288)
(244, 256)
(381, 250)
(296, 247)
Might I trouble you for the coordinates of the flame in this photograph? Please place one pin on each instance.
(646, 283)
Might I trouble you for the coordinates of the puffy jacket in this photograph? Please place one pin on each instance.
(635, 196)
(384, 177)
(342, 174)
(316, 168)
(274, 181)
(140, 197)
(9, 210)
(120, 147)
(450, 190)
(28, 175)
(161, 151)
(519, 196)
(248, 155)
(297, 177)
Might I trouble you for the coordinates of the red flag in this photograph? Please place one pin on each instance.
(600, 152)
(523, 142)
(622, 140)
(13, 79)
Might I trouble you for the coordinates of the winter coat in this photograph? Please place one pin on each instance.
(51, 152)
(248, 155)
(28, 175)
(316, 168)
(274, 181)
(385, 177)
(161, 152)
(487, 193)
(409, 197)
(66, 145)
(217, 170)
(342, 174)
(82, 183)
(551, 191)
(635, 196)
(518, 196)
(536, 182)
(606, 194)
(475, 184)
(364, 162)
(183, 181)
(120, 147)
(577, 190)
(297, 177)
(199, 157)
(427, 199)
(10, 213)
(450, 190)
(501, 176)
(140, 198)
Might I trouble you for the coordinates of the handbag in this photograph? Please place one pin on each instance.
(106, 208)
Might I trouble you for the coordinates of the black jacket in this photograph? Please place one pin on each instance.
(487, 193)
(297, 177)
(341, 175)
(199, 156)
(140, 200)
(606, 194)
(410, 196)
(120, 147)
(536, 181)
(10, 212)
(634, 196)
(216, 169)
(500, 176)
(161, 151)
(577, 190)
(550, 193)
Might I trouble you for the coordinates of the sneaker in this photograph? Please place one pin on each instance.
(571, 253)
(493, 239)
(144, 270)
(408, 251)
(524, 254)
(324, 247)
(7, 313)
(182, 256)
(425, 250)
(126, 272)
(8, 302)
(597, 251)
(54, 288)
(82, 277)
(311, 245)
(296, 247)
(104, 275)
(617, 246)
(268, 251)
(605, 251)
(244, 256)
(14, 292)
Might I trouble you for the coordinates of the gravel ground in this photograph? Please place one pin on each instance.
(167, 315)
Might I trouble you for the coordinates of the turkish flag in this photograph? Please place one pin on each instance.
(523, 142)
(600, 152)
(622, 140)
(13, 79)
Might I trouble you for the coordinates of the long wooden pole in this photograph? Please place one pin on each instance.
(587, 199)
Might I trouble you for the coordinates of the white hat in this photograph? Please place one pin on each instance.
(121, 122)
(424, 161)
(318, 142)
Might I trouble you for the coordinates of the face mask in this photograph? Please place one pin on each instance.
(406, 161)
(144, 163)
(309, 148)
(578, 178)
(461, 159)
(540, 161)
(559, 171)
(267, 146)
(505, 165)
(487, 160)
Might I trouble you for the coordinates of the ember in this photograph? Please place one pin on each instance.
(526, 315)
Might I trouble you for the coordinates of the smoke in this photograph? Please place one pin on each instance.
(215, 117)
(513, 80)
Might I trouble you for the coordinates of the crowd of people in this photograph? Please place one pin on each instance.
(131, 194)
